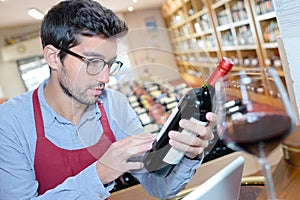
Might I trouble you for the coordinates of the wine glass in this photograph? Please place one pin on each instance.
(254, 114)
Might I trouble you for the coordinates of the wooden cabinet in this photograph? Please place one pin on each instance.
(203, 31)
(193, 37)
(267, 32)
(236, 31)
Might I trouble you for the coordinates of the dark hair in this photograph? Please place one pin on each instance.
(63, 24)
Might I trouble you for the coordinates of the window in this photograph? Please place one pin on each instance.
(33, 71)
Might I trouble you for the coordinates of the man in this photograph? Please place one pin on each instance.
(71, 138)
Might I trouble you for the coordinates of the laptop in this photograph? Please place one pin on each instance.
(225, 184)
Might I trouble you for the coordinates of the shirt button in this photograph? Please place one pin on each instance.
(100, 196)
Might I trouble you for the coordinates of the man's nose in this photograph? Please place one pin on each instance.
(103, 76)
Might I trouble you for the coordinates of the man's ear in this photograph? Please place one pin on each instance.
(51, 56)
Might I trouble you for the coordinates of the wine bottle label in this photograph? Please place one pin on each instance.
(166, 125)
(174, 155)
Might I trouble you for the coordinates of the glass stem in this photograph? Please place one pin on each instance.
(266, 170)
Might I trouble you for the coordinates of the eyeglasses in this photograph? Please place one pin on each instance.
(95, 65)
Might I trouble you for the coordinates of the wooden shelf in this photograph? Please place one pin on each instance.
(218, 4)
(193, 81)
(270, 45)
(197, 64)
(239, 47)
(230, 28)
(263, 22)
(187, 51)
(266, 16)
(197, 14)
(262, 99)
(232, 25)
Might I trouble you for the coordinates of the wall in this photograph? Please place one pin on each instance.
(10, 79)
(149, 46)
(147, 49)
(288, 16)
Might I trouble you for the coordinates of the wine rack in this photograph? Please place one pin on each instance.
(267, 30)
(203, 31)
(193, 38)
(235, 31)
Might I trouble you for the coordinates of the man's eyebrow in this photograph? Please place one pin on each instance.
(98, 55)
(93, 54)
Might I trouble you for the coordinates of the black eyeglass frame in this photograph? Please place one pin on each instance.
(90, 60)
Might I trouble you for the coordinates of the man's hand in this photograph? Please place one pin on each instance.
(191, 145)
(115, 161)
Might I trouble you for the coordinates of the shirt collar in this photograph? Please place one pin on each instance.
(49, 115)
(90, 114)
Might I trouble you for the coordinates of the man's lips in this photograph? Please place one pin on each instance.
(97, 91)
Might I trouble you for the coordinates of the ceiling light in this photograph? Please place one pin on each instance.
(36, 14)
(130, 8)
(134, 1)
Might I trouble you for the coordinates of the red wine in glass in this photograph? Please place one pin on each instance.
(254, 129)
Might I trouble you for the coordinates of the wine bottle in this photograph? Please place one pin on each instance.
(236, 112)
(194, 105)
(232, 103)
(239, 108)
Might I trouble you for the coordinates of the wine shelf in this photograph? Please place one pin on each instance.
(244, 30)
(260, 99)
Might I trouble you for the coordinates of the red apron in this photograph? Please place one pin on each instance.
(53, 164)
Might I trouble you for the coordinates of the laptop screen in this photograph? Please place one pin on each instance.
(225, 184)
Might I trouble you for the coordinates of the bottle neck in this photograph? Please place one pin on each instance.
(225, 65)
(213, 78)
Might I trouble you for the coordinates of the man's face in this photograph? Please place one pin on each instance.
(73, 77)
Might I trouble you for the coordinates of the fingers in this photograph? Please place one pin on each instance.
(212, 118)
(121, 151)
(139, 144)
(189, 150)
(191, 145)
(135, 144)
(120, 155)
(192, 127)
(134, 165)
(200, 130)
(138, 150)
(182, 142)
(137, 139)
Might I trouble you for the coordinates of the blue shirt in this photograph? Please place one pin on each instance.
(18, 140)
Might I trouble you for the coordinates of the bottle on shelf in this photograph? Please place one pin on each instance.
(235, 109)
(194, 105)
(232, 103)
(236, 112)
(264, 6)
